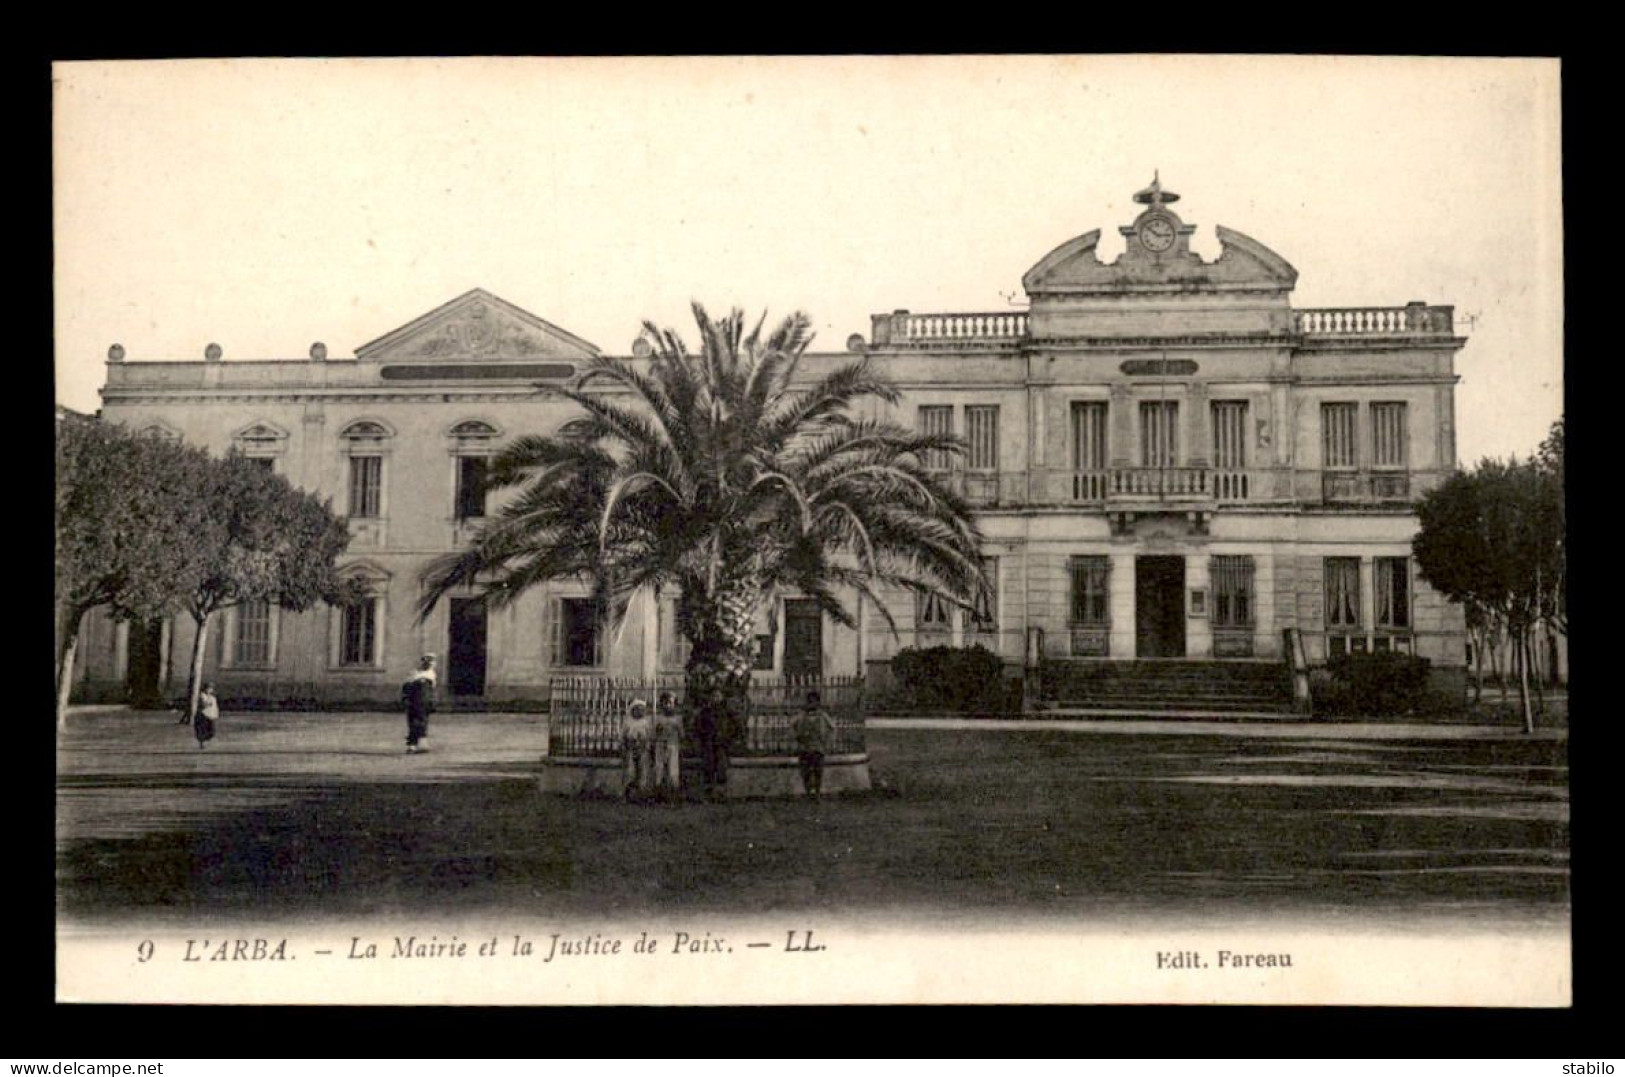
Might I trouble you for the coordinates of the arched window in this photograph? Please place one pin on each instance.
(261, 442)
(366, 443)
(356, 629)
(472, 443)
(161, 429)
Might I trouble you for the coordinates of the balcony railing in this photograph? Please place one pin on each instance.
(1129, 486)
(1365, 486)
(1415, 319)
(1139, 484)
(903, 327)
(987, 488)
(1161, 483)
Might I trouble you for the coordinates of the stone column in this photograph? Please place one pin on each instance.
(1446, 448)
(1198, 630)
(1368, 595)
(1121, 450)
(649, 625)
(1122, 605)
(1266, 635)
(121, 650)
(1199, 452)
(166, 639)
(863, 637)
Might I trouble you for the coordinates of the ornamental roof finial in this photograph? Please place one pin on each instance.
(1154, 195)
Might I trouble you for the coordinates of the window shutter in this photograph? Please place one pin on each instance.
(553, 614)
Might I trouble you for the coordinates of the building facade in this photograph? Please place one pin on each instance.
(1167, 458)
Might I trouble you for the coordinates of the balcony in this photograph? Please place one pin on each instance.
(987, 489)
(947, 330)
(1365, 487)
(1411, 320)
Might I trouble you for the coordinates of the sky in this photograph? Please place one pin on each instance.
(268, 204)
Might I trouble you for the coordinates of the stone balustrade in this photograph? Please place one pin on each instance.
(902, 327)
(1414, 319)
(1161, 482)
(1363, 486)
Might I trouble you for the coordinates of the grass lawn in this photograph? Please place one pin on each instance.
(300, 813)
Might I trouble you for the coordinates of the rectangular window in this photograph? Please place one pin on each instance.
(1388, 435)
(470, 487)
(1392, 584)
(982, 433)
(1232, 580)
(1230, 434)
(366, 486)
(1339, 438)
(576, 637)
(932, 613)
(358, 633)
(937, 420)
(1091, 594)
(252, 647)
(266, 463)
(674, 646)
(1159, 433)
(984, 611)
(1342, 592)
(1088, 451)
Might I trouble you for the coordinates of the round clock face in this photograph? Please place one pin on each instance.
(1157, 234)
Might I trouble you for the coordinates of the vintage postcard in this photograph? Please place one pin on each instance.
(466, 593)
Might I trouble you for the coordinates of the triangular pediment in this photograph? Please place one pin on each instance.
(477, 325)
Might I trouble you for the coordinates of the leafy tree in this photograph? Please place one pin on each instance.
(257, 538)
(706, 472)
(1549, 458)
(125, 506)
(1491, 540)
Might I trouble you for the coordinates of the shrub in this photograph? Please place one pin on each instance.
(951, 678)
(1371, 684)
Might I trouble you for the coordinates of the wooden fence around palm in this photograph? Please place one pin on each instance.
(585, 713)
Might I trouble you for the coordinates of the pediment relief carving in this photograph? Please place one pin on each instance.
(1243, 264)
(477, 325)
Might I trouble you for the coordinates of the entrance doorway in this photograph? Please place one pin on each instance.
(465, 657)
(146, 663)
(803, 638)
(1159, 607)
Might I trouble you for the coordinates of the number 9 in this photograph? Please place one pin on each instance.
(143, 953)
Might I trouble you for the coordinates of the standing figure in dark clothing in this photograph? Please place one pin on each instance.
(208, 713)
(715, 735)
(815, 732)
(418, 695)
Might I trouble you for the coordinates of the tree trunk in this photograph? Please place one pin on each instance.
(64, 666)
(1478, 666)
(1523, 679)
(1495, 664)
(1537, 672)
(717, 677)
(195, 683)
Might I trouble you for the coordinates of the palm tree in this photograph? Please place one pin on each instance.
(708, 474)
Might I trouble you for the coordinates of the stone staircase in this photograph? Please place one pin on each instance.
(1168, 686)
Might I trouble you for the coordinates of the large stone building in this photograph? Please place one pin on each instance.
(1169, 460)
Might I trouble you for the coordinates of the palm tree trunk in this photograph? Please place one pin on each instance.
(717, 677)
(64, 667)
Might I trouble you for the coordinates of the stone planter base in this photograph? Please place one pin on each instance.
(756, 776)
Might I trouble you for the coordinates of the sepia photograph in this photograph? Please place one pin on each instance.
(811, 530)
